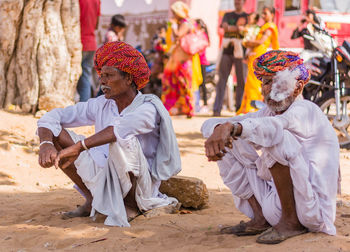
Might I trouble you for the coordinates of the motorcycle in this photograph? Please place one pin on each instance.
(329, 86)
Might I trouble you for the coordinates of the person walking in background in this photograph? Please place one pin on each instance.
(268, 36)
(232, 53)
(204, 62)
(89, 14)
(177, 77)
(116, 29)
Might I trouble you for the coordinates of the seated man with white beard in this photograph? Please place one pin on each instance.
(290, 186)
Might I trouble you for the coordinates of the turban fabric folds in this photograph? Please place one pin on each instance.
(275, 61)
(125, 58)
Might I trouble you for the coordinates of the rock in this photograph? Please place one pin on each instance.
(159, 211)
(190, 192)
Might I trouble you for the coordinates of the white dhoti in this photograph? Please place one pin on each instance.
(246, 174)
(111, 183)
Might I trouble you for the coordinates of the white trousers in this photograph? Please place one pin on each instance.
(246, 174)
(110, 184)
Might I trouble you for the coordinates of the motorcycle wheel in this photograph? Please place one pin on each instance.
(327, 105)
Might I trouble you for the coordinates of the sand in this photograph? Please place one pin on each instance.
(32, 199)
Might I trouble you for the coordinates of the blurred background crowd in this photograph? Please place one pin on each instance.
(201, 52)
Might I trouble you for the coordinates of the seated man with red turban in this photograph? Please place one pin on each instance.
(289, 187)
(118, 169)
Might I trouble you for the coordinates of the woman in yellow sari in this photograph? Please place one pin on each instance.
(267, 36)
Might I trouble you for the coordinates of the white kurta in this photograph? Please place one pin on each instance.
(104, 169)
(301, 138)
(101, 112)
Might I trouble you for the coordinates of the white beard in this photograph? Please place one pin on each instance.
(280, 106)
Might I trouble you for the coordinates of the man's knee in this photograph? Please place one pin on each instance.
(288, 149)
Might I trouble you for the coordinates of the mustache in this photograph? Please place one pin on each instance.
(105, 87)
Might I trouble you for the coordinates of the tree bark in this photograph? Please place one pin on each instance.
(40, 53)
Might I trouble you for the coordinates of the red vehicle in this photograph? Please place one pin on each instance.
(335, 14)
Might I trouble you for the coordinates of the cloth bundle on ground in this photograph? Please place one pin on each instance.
(125, 58)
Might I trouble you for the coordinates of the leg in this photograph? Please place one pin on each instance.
(62, 141)
(224, 72)
(239, 174)
(203, 87)
(240, 81)
(84, 83)
(289, 222)
(131, 207)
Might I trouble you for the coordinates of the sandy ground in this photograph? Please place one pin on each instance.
(32, 199)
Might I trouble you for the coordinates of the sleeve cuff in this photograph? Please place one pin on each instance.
(247, 128)
(55, 129)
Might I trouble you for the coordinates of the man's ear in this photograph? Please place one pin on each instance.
(298, 88)
(129, 78)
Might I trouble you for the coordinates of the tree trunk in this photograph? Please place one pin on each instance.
(40, 53)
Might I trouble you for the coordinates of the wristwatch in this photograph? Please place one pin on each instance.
(234, 131)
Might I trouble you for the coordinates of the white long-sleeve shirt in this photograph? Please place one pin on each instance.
(143, 123)
(317, 141)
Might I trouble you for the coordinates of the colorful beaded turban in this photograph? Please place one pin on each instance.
(275, 61)
(126, 59)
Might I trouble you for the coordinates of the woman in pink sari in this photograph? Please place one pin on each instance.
(177, 95)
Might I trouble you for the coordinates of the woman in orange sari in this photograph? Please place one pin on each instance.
(268, 36)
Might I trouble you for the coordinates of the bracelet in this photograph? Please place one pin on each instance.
(46, 142)
(84, 145)
(234, 131)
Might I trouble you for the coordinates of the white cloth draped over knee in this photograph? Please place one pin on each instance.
(110, 184)
(301, 138)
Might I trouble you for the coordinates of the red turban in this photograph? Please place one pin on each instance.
(126, 59)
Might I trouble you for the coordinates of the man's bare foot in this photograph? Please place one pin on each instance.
(132, 213)
(81, 211)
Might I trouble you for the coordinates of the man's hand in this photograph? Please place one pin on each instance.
(68, 155)
(225, 26)
(47, 155)
(216, 143)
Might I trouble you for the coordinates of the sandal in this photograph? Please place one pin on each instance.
(272, 236)
(131, 218)
(76, 213)
(242, 229)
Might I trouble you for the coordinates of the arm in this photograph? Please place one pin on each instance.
(222, 137)
(265, 36)
(72, 152)
(218, 131)
(181, 31)
(238, 27)
(47, 151)
(80, 114)
(141, 121)
(296, 34)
